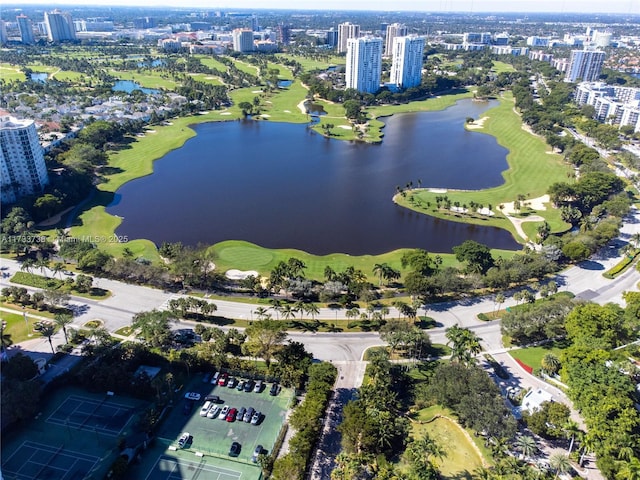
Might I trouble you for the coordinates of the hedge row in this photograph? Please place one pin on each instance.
(306, 420)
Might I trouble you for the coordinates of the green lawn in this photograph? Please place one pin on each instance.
(17, 327)
(11, 73)
(147, 79)
(248, 256)
(532, 356)
(39, 281)
(462, 456)
(318, 62)
(500, 67)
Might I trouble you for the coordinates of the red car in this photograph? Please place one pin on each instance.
(222, 381)
(231, 416)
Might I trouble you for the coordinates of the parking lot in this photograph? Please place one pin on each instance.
(214, 436)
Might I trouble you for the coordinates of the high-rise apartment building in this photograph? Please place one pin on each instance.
(345, 32)
(364, 64)
(59, 26)
(394, 30)
(22, 167)
(283, 34)
(406, 67)
(585, 65)
(26, 30)
(3, 32)
(243, 40)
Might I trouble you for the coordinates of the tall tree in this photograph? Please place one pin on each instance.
(61, 320)
(264, 339)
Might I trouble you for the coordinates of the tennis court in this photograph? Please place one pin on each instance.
(83, 413)
(36, 461)
(172, 468)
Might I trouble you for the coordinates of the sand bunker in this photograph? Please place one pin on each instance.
(234, 274)
(533, 203)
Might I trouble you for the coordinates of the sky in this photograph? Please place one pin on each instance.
(475, 6)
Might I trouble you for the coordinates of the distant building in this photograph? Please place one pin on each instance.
(501, 39)
(3, 32)
(170, 45)
(26, 30)
(509, 50)
(541, 56)
(283, 34)
(332, 38)
(585, 65)
(145, 23)
(243, 40)
(538, 41)
(394, 30)
(21, 159)
(59, 26)
(364, 64)
(345, 32)
(613, 104)
(472, 37)
(406, 67)
(255, 24)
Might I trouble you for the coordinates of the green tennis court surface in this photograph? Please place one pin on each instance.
(74, 437)
(44, 462)
(168, 468)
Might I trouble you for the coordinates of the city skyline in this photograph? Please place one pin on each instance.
(462, 6)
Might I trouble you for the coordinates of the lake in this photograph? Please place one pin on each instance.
(282, 185)
(129, 86)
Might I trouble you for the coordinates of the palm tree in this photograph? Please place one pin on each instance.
(378, 269)
(61, 320)
(27, 265)
(571, 429)
(550, 363)
(276, 306)
(288, 311)
(42, 264)
(48, 330)
(5, 338)
(261, 312)
(560, 463)
(526, 445)
(499, 300)
(629, 470)
(312, 309)
(58, 267)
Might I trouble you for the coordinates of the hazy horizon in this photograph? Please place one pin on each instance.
(461, 6)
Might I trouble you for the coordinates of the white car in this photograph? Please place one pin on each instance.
(205, 408)
(192, 396)
(213, 412)
(184, 439)
(223, 412)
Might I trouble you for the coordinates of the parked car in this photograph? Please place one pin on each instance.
(232, 382)
(240, 386)
(231, 416)
(206, 377)
(249, 414)
(215, 378)
(255, 418)
(222, 381)
(223, 412)
(258, 451)
(258, 387)
(192, 396)
(184, 439)
(234, 451)
(213, 412)
(187, 407)
(205, 408)
(248, 386)
(212, 398)
(241, 413)
(274, 390)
